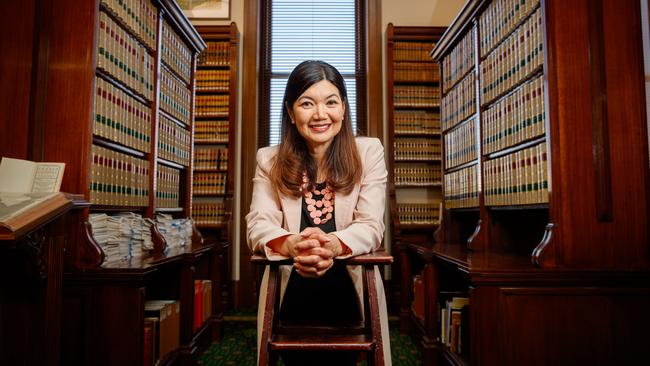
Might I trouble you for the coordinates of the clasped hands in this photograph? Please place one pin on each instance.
(313, 251)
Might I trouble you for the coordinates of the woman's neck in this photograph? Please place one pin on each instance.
(318, 154)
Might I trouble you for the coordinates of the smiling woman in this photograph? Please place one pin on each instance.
(317, 196)
(318, 114)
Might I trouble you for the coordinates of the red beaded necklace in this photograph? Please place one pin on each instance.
(320, 210)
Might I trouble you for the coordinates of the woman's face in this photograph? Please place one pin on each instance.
(318, 114)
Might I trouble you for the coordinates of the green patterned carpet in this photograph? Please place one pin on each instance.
(238, 347)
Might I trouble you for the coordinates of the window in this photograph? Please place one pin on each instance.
(297, 30)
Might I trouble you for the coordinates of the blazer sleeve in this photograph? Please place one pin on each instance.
(366, 231)
(265, 218)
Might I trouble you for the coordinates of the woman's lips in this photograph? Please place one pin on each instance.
(320, 128)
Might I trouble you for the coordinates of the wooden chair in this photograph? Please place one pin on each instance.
(364, 336)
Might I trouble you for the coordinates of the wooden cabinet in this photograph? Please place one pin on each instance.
(31, 276)
(413, 149)
(215, 134)
(112, 96)
(545, 181)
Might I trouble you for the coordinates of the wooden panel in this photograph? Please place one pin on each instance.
(245, 288)
(573, 144)
(31, 276)
(70, 86)
(118, 332)
(573, 326)
(17, 50)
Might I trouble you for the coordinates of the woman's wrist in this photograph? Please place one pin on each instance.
(338, 247)
(283, 244)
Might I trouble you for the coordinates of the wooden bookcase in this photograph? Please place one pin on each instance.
(415, 166)
(215, 137)
(546, 205)
(113, 87)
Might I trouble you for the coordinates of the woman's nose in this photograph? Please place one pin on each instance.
(320, 112)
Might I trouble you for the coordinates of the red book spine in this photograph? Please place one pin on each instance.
(198, 304)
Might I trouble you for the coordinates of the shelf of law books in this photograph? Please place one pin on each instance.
(414, 126)
(215, 122)
(127, 178)
(513, 118)
(511, 130)
(515, 93)
(126, 104)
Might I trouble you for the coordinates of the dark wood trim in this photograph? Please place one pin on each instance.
(250, 70)
(374, 80)
(457, 29)
(182, 24)
(38, 93)
(601, 150)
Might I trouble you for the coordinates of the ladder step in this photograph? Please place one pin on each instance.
(332, 328)
(346, 342)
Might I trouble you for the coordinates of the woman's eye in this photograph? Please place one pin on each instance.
(332, 102)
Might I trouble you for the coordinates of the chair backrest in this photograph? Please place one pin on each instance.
(379, 257)
(274, 338)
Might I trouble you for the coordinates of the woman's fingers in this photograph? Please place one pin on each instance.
(304, 245)
(319, 251)
(311, 231)
(317, 269)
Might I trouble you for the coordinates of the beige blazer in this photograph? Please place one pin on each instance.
(359, 218)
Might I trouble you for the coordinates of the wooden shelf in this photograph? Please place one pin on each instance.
(223, 203)
(451, 357)
(416, 185)
(432, 160)
(212, 90)
(415, 82)
(212, 116)
(415, 134)
(112, 145)
(526, 266)
(417, 107)
(211, 67)
(211, 142)
(126, 89)
(403, 194)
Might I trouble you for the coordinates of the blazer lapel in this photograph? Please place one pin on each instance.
(291, 208)
(343, 209)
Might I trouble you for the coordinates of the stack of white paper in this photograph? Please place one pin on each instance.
(106, 230)
(177, 232)
(123, 236)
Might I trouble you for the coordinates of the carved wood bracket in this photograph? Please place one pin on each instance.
(34, 245)
(539, 253)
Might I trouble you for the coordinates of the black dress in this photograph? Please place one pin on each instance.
(331, 297)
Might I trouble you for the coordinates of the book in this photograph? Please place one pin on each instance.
(207, 299)
(168, 314)
(198, 305)
(23, 176)
(19, 212)
(151, 329)
(453, 319)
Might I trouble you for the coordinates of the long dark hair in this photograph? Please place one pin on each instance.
(342, 161)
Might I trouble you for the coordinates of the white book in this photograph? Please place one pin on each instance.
(24, 176)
